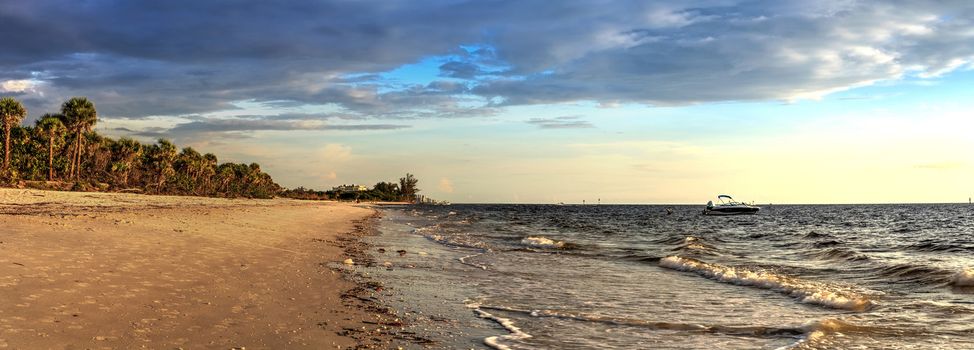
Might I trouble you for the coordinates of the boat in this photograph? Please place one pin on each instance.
(728, 206)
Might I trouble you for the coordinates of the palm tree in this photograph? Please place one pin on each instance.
(407, 185)
(209, 172)
(79, 117)
(52, 127)
(226, 174)
(162, 156)
(12, 112)
(126, 151)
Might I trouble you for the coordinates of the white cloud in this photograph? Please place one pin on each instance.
(18, 85)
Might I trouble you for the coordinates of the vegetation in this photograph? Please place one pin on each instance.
(11, 113)
(62, 152)
(407, 186)
(381, 192)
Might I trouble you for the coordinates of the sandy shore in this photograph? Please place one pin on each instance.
(104, 270)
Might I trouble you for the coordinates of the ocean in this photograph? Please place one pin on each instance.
(635, 277)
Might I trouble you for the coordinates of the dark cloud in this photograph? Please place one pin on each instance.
(178, 57)
(224, 125)
(566, 122)
(200, 128)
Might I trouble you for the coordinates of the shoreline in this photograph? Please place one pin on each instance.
(113, 270)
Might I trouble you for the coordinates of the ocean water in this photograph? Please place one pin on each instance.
(633, 277)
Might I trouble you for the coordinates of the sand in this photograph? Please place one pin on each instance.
(125, 271)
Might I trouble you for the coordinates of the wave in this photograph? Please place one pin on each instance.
(641, 258)
(463, 260)
(843, 254)
(908, 272)
(964, 278)
(816, 234)
(699, 247)
(827, 243)
(932, 246)
(806, 291)
(820, 333)
(755, 331)
(547, 243)
(435, 233)
(689, 244)
(677, 240)
(816, 334)
(514, 333)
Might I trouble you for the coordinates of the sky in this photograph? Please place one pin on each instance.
(528, 101)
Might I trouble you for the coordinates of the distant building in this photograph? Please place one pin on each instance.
(350, 188)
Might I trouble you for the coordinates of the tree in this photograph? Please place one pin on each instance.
(53, 129)
(79, 117)
(104, 163)
(97, 151)
(189, 168)
(125, 151)
(210, 164)
(384, 191)
(162, 156)
(11, 113)
(386, 187)
(407, 187)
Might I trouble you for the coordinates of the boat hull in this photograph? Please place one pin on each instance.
(735, 210)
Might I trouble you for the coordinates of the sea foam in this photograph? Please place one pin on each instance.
(514, 333)
(541, 242)
(806, 291)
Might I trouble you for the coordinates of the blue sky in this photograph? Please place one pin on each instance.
(529, 101)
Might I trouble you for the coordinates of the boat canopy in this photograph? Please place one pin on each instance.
(726, 199)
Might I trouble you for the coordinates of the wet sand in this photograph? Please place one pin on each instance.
(104, 270)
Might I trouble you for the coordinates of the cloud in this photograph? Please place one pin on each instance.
(18, 85)
(198, 128)
(224, 125)
(566, 122)
(494, 53)
(445, 185)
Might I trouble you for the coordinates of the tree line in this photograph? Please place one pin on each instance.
(61, 151)
(405, 191)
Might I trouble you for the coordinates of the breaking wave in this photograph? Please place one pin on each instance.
(964, 278)
(755, 331)
(542, 242)
(514, 333)
(805, 291)
(822, 333)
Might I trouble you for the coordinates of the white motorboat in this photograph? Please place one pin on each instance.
(728, 206)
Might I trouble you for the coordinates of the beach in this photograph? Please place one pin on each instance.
(107, 270)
